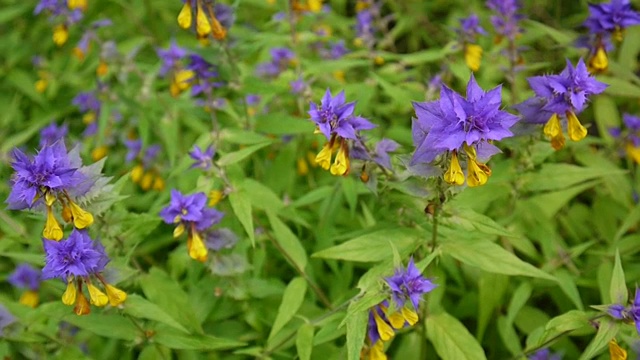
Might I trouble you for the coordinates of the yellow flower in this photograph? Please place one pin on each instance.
(385, 330)
(576, 131)
(136, 173)
(195, 245)
(102, 68)
(553, 130)
(473, 56)
(616, 352)
(598, 62)
(454, 174)
(52, 229)
(77, 4)
(340, 165)
(69, 296)
(302, 167)
(184, 17)
(99, 152)
(60, 34)
(324, 156)
(81, 217)
(115, 295)
(98, 298)
(82, 305)
(30, 298)
(478, 173)
(181, 81)
(203, 27)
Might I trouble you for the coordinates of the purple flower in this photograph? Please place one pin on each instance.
(630, 313)
(506, 19)
(150, 155)
(25, 277)
(632, 122)
(454, 123)
(383, 148)
(280, 60)
(470, 28)
(133, 149)
(336, 50)
(204, 159)
(6, 319)
(78, 255)
(334, 116)
(298, 86)
(219, 239)
(52, 133)
(561, 96)
(611, 17)
(365, 30)
(170, 57)
(544, 354)
(410, 285)
(252, 99)
(87, 101)
(224, 14)
(190, 210)
(51, 171)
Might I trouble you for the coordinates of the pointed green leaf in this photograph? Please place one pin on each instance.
(451, 339)
(237, 156)
(139, 307)
(618, 291)
(291, 301)
(374, 246)
(356, 330)
(304, 341)
(241, 206)
(608, 330)
(288, 242)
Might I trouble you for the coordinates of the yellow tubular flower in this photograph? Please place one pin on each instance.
(314, 5)
(576, 131)
(98, 298)
(454, 174)
(633, 152)
(67, 216)
(324, 156)
(115, 295)
(473, 56)
(89, 118)
(60, 34)
(302, 167)
(410, 315)
(158, 183)
(136, 173)
(77, 4)
(181, 81)
(478, 173)
(377, 351)
(69, 296)
(341, 163)
(203, 27)
(616, 352)
(384, 330)
(184, 17)
(396, 319)
(178, 231)
(553, 130)
(81, 217)
(196, 247)
(598, 63)
(29, 298)
(214, 197)
(82, 305)
(99, 152)
(52, 229)
(147, 181)
(218, 31)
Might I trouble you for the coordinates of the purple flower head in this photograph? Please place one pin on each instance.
(470, 28)
(568, 91)
(452, 121)
(611, 17)
(52, 133)
(334, 116)
(78, 255)
(280, 60)
(224, 14)
(53, 6)
(298, 86)
(6, 319)
(219, 239)
(190, 210)
(201, 67)
(51, 170)
(632, 122)
(506, 18)
(204, 159)
(336, 50)
(87, 101)
(630, 313)
(133, 149)
(410, 285)
(252, 99)
(544, 354)
(25, 277)
(383, 148)
(365, 30)
(150, 155)
(170, 57)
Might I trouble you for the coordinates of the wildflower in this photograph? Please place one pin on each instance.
(52, 133)
(52, 175)
(558, 97)
(630, 137)
(170, 57)
(82, 47)
(219, 239)
(76, 261)
(461, 128)
(133, 149)
(383, 148)
(206, 21)
(204, 75)
(544, 354)
(365, 26)
(630, 314)
(336, 50)
(335, 120)
(77, 4)
(409, 286)
(88, 104)
(506, 18)
(615, 351)
(62, 16)
(298, 86)
(469, 30)
(28, 278)
(281, 58)
(6, 319)
(190, 214)
(204, 159)
(605, 22)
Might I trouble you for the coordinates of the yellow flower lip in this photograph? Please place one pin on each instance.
(197, 250)
(454, 174)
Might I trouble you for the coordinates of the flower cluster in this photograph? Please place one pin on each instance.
(281, 59)
(561, 96)
(630, 138)
(144, 173)
(203, 160)
(367, 11)
(63, 14)
(335, 120)
(52, 133)
(607, 21)
(506, 18)
(89, 105)
(460, 128)
(80, 260)
(407, 289)
(210, 19)
(189, 213)
(27, 278)
(469, 30)
(629, 313)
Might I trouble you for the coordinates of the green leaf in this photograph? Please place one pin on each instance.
(572, 320)
(262, 197)
(177, 340)
(241, 206)
(618, 292)
(451, 339)
(518, 300)
(23, 82)
(471, 220)
(165, 292)
(356, 329)
(607, 331)
(304, 341)
(620, 87)
(281, 123)
(550, 203)
(237, 156)
(374, 246)
(291, 301)
(288, 242)
(140, 307)
(491, 257)
(562, 176)
(630, 221)
(605, 112)
(111, 326)
(568, 286)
